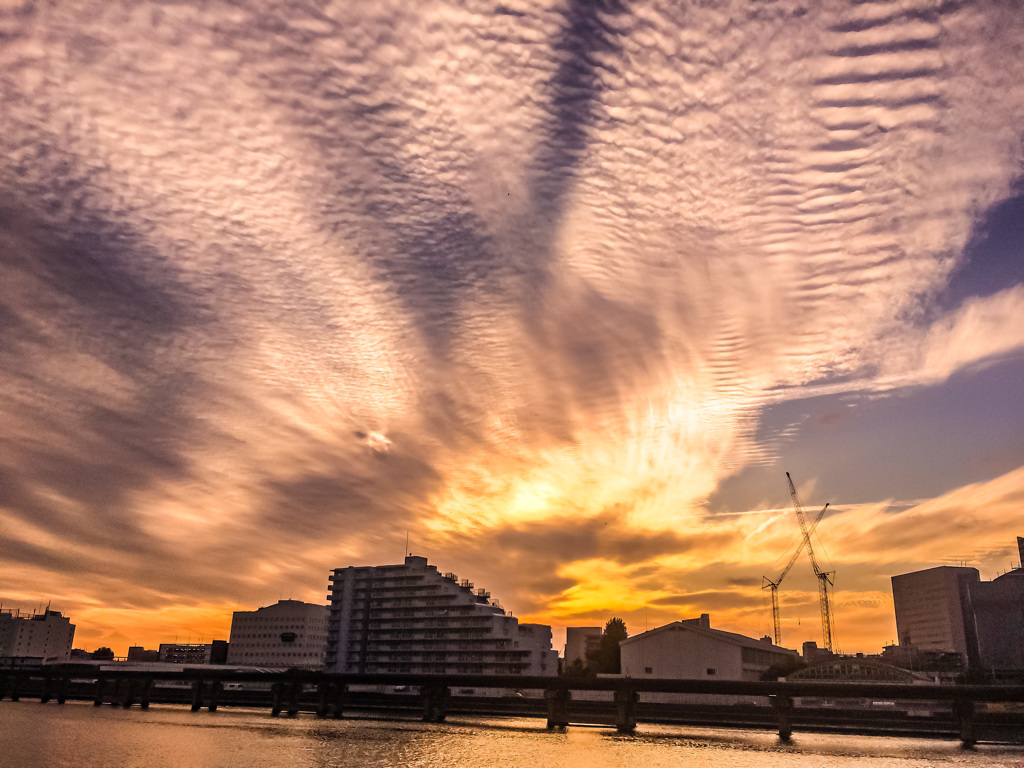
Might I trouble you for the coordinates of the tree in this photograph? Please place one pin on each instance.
(606, 659)
(783, 668)
(578, 671)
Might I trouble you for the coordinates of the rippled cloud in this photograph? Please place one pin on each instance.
(280, 285)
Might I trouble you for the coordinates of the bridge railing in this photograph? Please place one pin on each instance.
(204, 686)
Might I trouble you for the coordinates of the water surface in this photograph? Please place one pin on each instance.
(78, 735)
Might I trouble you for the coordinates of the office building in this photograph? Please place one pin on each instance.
(411, 618)
(950, 610)
(999, 619)
(45, 636)
(288, 634)
(933, 610)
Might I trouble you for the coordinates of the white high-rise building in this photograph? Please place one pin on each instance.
(287, 634)
(410, 618)
(46, 636)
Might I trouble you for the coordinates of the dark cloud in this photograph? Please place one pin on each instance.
(711, 599)
(353, 489)
(606, 536)
(588, 40)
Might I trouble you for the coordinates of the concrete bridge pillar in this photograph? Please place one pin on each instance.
(963, 711)
(197, 695)
(340, 695)
(117, 696)
(128, 692)
(323, 691)
(62, 688)
(331, 696)
(557, 700)
(625, 704)
(215, 689)
(15, 680)
(276, 696)
(435, 702)
(101, 683)
(784, 710)
(147, 691)
(47, 692)
(293, 698)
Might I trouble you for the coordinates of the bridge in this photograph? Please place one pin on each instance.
(950, 710)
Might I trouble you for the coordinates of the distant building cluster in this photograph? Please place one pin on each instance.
(409, 618)
(385, 618)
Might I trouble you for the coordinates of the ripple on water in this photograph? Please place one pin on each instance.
(78, 735)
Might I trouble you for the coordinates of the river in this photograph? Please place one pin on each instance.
(78, 735)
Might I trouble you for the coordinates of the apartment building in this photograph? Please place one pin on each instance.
(410, 618)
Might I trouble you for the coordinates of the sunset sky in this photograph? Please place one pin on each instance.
(560, 290)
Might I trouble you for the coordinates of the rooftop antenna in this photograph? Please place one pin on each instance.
(407, 552)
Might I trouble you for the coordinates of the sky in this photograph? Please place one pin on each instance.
(559, 291)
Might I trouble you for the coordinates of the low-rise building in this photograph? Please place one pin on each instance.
(288, 634)
(813, 654)
(136, 653)
(194, 653)
(691, 650)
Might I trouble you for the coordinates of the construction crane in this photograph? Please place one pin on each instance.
(767, 583)
(824, 577)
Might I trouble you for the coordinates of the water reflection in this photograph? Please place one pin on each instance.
(81, 736)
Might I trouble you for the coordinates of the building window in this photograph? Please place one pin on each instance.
(711, 670)
(649, 670)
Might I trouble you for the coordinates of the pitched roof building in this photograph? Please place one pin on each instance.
(691, 650)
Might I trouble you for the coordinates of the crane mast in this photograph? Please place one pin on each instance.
(767, 583)
(824, 577)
